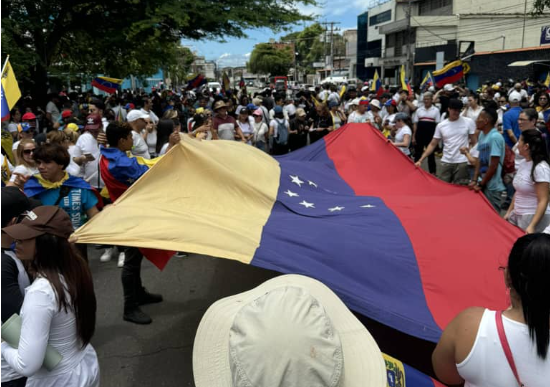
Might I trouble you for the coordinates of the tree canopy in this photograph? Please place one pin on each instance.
(123, 37)
(268, 58)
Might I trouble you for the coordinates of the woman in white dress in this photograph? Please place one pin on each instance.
(59, 308)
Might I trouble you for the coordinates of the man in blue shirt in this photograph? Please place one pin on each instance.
(487, 176)
(510, 124)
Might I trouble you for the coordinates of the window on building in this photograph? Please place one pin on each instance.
(390, 40)
(435, 7)
(380, 18)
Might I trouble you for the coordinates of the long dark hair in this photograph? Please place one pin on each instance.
(529, 270)
(165, 128)
(537, 148)
(56, 257)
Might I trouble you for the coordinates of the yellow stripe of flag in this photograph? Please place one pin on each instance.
(112, 80)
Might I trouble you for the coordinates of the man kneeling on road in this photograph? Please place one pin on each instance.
(455, 132)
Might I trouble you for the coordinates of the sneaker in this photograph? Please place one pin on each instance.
(149, 298)
(121, 258)
(137, 316)
(107, 255)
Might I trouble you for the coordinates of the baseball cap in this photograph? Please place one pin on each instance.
(39, 221)
(258, 112)
(448, 87)
(66, 114)
(14, 203)
(135, 115)
(129, 106)
(28, 116)
(24, 127)
(93, 122)
(355, 101)
(251, 106)
(400, 117)
(514, 97)
(391, 102)
(300, 112)
(375, 103)
(364, 101)
(199, 110)
(243, 110)
(455, 104)
(277, 110)
(72, 126)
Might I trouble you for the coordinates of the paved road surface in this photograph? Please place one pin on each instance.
(160, 354)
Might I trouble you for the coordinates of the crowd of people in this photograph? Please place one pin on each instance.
(63, 164)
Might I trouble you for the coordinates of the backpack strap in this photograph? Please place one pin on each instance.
(506, 346)
(63, 191)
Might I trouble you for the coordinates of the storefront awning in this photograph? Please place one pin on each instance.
(522, 63)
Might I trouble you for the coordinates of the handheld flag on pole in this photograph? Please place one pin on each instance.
(427, 81)
(376, 85)
(451, 73)
(226, 83)
(10, 90)
(405, 84)
(196, 82)
(342, 91)
(547, 81)
(106, 84)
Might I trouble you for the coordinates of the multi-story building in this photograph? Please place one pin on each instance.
(350, 40)
(441, 25)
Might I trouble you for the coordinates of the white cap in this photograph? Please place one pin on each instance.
(375, 103)
(290, 331)
(136, 114)
(355, 101)
(514, 97)
(499, 84)
(364, 88)
(448, 87)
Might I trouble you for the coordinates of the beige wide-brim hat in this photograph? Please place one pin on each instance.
(363, 364)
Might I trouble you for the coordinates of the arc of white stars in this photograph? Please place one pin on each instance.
(307, 205)
(337, 208)
(296, 180)
(290, 193)
(312, 183)
(368, 206)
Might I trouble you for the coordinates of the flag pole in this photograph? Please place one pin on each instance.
(5, 63)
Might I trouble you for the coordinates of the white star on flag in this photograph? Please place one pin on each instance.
(337, 208)
(368, 206)
(296, 180)
(312, 183)
(290, 193)
(307, 205)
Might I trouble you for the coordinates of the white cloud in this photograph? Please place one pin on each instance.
(224, 55)
(247, 55)
(233, 60)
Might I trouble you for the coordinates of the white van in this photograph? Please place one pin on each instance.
(214, 85)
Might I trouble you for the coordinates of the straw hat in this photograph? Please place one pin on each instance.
(289, 331)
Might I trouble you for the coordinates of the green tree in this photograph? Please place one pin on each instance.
(539, 6)
(267, 58)
(123, 37)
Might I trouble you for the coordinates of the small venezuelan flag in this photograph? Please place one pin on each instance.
(376, 85)
(10, 90)
(108, 85)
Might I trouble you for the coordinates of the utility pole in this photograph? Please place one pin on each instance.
(326, 24)
(524, 17)
(408, 65)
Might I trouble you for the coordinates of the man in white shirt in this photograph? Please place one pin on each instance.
(360, 116)
(146, 109)
(522, 92)
(456, 132)
(87, 146)
(425, 119)
(98, 107)
(139, 120)
(52, 111)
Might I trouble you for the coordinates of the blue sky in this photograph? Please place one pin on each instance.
(235, 52)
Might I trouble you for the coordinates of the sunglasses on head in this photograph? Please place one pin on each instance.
(29, 151)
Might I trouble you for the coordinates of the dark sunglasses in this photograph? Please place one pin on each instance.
(28, 151)
(256, 115)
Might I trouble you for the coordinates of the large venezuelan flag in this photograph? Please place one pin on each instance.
(395, 243)
(106, 84)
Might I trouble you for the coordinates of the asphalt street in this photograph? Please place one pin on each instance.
(160, 354)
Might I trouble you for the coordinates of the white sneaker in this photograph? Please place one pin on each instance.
(121, 258)
(107, 255)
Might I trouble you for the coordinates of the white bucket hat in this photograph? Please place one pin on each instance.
(289, 331)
